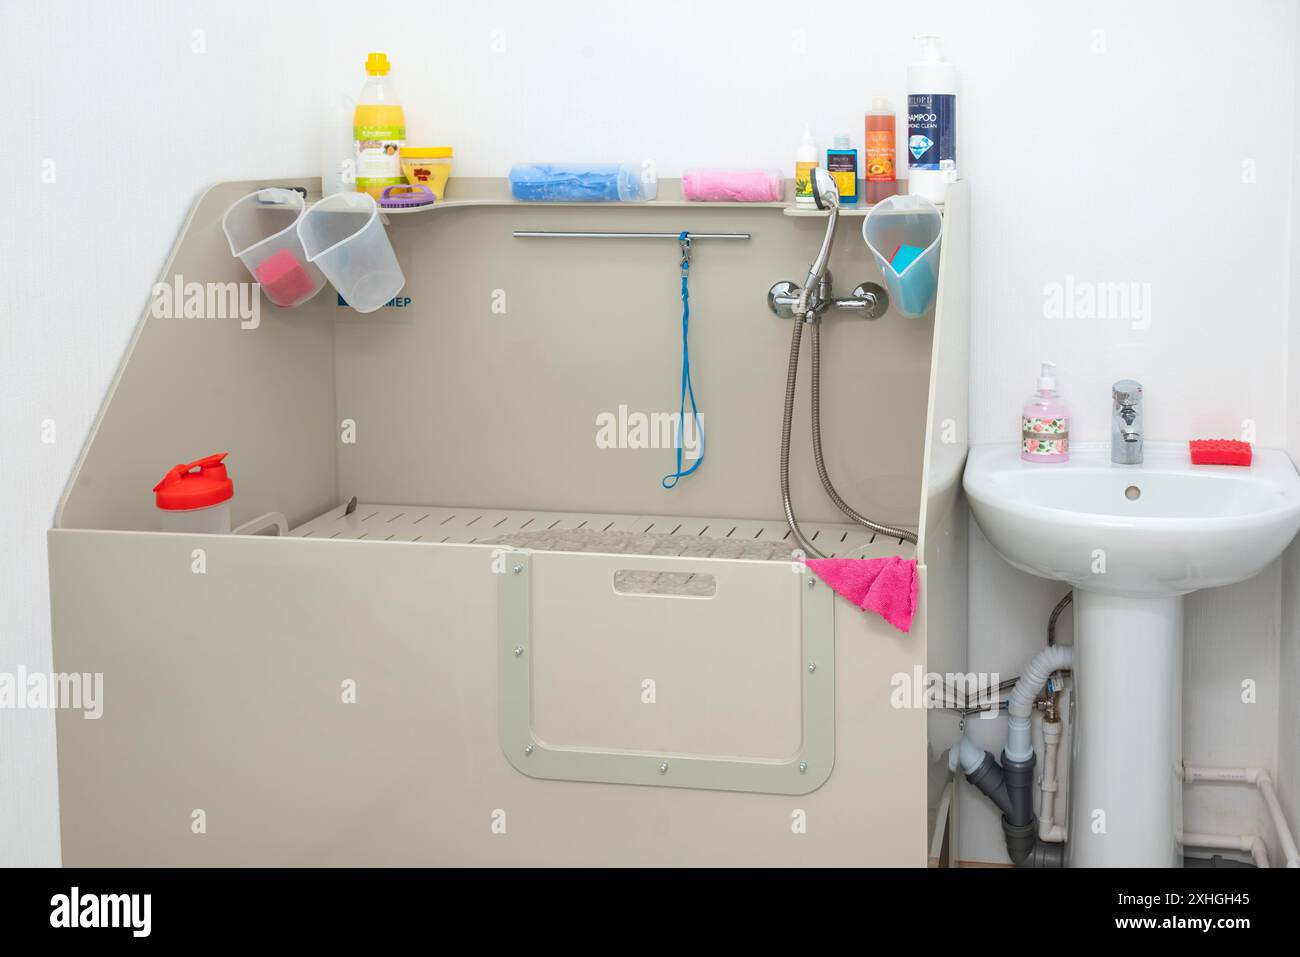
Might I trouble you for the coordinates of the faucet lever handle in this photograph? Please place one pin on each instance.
(1126, 392)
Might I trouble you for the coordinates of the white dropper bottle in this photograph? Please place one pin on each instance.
(805, 161)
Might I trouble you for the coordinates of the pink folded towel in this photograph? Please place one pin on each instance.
(733, 185)
(886, 586)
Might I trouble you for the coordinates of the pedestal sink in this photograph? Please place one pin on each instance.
(1132, 540)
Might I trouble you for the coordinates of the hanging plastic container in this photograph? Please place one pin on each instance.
(583, 182)
(195, 498)
(904, 235)
(343, 235)
(262, 231)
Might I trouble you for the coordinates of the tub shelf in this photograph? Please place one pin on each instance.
(469, 191)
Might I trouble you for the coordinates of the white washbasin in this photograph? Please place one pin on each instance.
(1162, 528)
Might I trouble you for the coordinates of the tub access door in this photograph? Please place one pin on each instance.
(676, 672)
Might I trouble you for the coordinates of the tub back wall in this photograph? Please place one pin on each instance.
(514, 372)
(490, 386)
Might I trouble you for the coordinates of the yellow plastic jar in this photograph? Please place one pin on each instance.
(427, 166)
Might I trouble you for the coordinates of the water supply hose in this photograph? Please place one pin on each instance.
(887, 530)
(787, 422)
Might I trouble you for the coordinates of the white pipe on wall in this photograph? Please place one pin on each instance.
(1260, 778)
(1289, 850)
(1230, 842)
(1049, 830)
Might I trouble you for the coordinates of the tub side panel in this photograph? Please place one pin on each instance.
(942, 550)
(224, 693)
(259, 386)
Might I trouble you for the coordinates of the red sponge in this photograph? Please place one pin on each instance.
(284, 280)
(1219, 452)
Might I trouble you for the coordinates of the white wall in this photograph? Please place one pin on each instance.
(1110, 157)
(1288, 757)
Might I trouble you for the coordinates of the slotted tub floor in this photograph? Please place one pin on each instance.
(669, 535)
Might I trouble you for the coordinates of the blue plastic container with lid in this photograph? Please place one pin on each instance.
(583, 182)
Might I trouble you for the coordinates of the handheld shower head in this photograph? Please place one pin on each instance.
(827, 196)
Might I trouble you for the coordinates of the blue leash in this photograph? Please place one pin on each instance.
(688, 391)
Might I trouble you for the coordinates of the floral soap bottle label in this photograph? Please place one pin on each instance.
(1044, 436)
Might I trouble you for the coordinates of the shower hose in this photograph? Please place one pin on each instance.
(786, 425)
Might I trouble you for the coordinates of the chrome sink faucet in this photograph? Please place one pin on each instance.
(1126, 423)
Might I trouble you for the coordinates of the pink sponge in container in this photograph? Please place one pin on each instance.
(1219, 452)
(284, 279)
(733, 185)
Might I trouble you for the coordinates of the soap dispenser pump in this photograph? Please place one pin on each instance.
(1045, 422)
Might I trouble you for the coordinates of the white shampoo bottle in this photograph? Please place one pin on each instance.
(931, 122)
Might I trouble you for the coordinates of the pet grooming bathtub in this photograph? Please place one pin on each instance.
(577, 667)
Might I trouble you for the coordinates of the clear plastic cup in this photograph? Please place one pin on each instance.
(196, 497)
(344, 236)
(212, 520)
(906, 221)
(262, 231)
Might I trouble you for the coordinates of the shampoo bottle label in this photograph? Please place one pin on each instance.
(932, 131)
(880, 155)
(378, 159)
(803, 173)
(844, 167)
(1044, 436)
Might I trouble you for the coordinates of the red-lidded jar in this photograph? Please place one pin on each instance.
(195, 498)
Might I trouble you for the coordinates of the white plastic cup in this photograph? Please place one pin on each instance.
(196, 497)
(911, 221)
(263, 225)
(212, 520)
(343, 235)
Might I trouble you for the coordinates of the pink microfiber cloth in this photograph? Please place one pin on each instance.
(886, 586)
(733, 185)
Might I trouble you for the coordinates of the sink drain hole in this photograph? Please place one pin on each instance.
(1132, 493)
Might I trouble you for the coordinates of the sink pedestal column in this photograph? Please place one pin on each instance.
(1126, 803)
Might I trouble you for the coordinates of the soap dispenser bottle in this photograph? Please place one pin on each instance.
(1045, 422)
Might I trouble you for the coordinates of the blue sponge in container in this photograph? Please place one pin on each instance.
(582, 182)
(905, 234)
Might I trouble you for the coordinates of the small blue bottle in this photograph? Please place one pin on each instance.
(842, 163)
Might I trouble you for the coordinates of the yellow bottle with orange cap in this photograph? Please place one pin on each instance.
(378, 130)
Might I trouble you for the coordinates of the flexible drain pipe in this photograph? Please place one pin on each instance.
(1009, 785)
(1032, 681)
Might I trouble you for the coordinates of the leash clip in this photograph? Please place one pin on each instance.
(685, 240)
